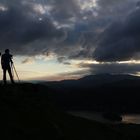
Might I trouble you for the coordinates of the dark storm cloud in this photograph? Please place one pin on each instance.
(108, 32)
(63, 10)
(64, 28)
(16, 30)
(20, 27)
(37, 26)
(120, 41)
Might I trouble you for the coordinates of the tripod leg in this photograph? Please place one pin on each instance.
(12, 71)
(16, 73)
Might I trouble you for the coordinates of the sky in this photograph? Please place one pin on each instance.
(68, 39)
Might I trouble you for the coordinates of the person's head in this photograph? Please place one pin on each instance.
(7, 51)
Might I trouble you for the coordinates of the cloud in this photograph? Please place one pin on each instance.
(114, 68)
(71, 29)
(120, 41)
(21, 28)
(29, 60)
(63, 10)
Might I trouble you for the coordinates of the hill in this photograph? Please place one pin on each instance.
(106, 92)
(91, 81)
(26, 113)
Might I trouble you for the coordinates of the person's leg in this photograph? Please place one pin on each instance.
(4, 76)
(10, 74)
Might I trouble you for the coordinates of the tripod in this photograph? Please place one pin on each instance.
(13, 69)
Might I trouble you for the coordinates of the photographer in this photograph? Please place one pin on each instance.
(6, 62)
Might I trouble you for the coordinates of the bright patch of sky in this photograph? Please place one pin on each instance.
(41, 67)
(39, 8)
(87, 4)
(3, 8)
(49, 69)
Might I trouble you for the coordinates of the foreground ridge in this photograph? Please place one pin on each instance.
(26, 113)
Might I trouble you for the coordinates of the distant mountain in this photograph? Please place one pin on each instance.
(98, 93)
(92, 81)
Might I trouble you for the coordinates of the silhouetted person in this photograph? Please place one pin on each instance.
(6, 62)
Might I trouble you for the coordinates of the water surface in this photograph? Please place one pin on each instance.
(126, 118)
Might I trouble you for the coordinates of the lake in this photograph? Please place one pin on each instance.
(131, 118)
(126, 118)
